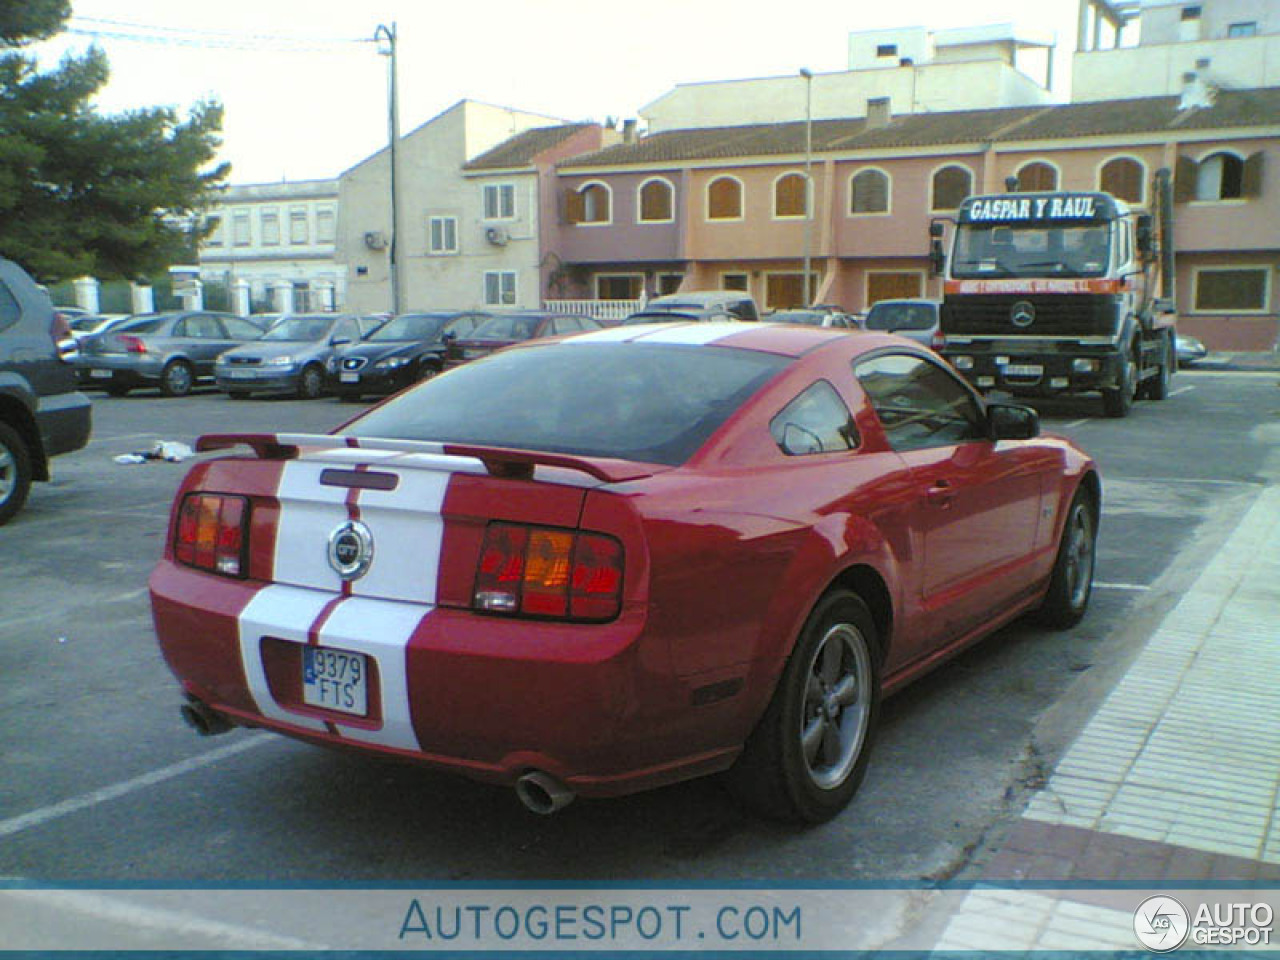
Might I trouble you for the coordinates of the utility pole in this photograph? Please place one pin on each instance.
(808, 178)
(385, 37)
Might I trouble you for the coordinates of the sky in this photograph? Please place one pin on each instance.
(305, 90)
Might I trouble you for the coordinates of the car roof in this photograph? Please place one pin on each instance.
(700, 297)
(909, 300)
(783, 339)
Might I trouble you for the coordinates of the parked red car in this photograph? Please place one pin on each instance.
(505, 329)
(605, 563)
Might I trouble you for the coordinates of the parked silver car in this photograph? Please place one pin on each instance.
(916, 320)
(290, 357)
(172, 351)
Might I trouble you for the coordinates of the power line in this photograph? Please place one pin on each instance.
(188, 37)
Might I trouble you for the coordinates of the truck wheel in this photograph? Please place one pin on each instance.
(15, 472)
(1157, 388)
(1118, 400)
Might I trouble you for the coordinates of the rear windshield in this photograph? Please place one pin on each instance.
(505, 328)
(809, 317)
(901, 316)
(663, 316)
(411, 326)
(144, 324)
(654, 403)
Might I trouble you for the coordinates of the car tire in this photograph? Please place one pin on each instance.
(177, 379)
(428, 371)
(809, 752)
(1117, 401)
(15, 472)
(310, 383)
(118, 391)
(1071, 582)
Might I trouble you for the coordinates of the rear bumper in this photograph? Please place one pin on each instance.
(65, 421)
(118, 369)
(370, 380)
(484, 697)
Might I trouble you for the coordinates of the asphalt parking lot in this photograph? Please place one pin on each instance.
(104, 782)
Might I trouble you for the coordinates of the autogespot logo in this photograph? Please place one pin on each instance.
(1161, 924)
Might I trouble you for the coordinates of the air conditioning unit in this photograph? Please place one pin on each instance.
(498, 236)
(375, 240)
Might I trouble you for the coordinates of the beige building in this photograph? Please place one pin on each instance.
(1181, 45)
(915, 70)
(444, 220)
(279, 239)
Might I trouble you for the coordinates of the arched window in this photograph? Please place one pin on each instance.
(656, 201)
(1220, 177)
(869, 192)
(1122, 177)
(951, 184)
(790, 195)
(1037, 176)
(724, 199)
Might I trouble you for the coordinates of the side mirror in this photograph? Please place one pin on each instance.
(449, 335)
(937, 257)
(935, 229)
(798, 441)
(1144, 238)
(1012, 421)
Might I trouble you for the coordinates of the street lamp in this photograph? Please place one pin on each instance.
(808, 177)
(385, 38)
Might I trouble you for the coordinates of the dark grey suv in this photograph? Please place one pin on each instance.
(41, 412)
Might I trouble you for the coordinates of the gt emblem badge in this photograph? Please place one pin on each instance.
(351, 550)
(1023, 314)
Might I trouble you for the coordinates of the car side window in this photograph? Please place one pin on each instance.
(919, 404)
(566, 325)
(9, 309)
(239, 329)
(203, 328)
(817, 421)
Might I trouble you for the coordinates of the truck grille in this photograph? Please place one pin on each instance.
(1056, 315)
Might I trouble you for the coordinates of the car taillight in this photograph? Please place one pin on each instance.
(548, 572)
(937, 341)
(133, 344)
(67, 345)
(211, 533)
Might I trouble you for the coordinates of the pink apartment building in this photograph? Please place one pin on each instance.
(728, 206)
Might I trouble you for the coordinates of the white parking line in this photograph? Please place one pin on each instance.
(1131, 587)
(43, 815)
(1181, 390)
(1076, 423)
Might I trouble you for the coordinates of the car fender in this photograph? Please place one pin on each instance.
(17, 409)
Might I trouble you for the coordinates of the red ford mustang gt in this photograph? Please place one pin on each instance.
(605, 563)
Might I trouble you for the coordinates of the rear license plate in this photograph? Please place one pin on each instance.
(335, 680)
(1023, 370)
(100, 374)
(349, 377)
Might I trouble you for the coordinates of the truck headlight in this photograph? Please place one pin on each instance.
(962, 363)
(1084, 365)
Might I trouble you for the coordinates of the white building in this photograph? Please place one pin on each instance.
(914, 69)
(279, 238)
(443, 216)
(1224, 44)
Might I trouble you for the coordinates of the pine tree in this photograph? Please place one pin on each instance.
(82, 193)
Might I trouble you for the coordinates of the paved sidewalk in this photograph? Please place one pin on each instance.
(1175, 781)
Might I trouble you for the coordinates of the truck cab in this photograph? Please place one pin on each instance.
(1057, 293)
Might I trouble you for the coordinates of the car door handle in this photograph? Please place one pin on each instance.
(941, 493)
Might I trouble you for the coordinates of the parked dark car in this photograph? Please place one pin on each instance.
(502, 330)
(916, 320)
(291, 357)
(172, 351)
(41, 412)
(406, 349)
(697, 306)
(814, 317)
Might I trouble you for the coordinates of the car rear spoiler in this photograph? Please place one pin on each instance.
(498, 461)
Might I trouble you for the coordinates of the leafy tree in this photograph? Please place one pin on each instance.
(85, 193)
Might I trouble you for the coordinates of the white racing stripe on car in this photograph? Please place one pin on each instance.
(309, 513)
(381, 630)
(694, 334)
(287, 613)
(610, 334)
(408, 532)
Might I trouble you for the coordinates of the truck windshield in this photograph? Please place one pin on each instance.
(1078, 250)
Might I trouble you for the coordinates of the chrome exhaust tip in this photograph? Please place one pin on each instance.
(204, 720)
(543, 793)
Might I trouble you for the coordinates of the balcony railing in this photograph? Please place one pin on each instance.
(596, 309)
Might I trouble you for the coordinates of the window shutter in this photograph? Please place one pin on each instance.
(1251, 180)
(1184, 180)
(575, 206)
